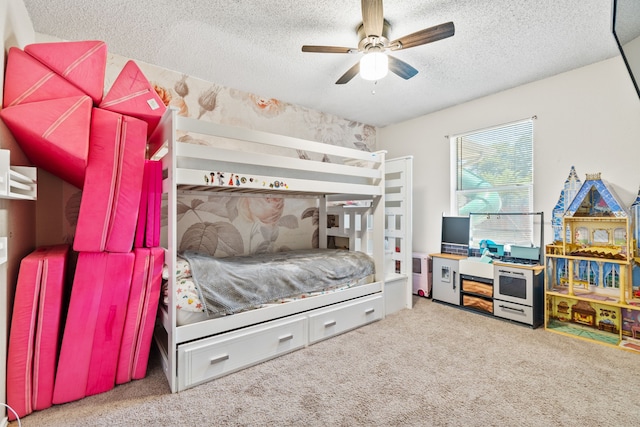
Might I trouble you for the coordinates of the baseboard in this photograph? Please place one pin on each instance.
(4, 422)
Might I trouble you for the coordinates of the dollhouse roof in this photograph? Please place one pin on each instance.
(569, 190)
(558, 211)
(567, 194)
(596, 199)
(636, 203)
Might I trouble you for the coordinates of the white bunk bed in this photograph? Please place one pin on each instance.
(352, 186)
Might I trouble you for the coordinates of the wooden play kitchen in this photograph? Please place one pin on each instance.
(498, 272)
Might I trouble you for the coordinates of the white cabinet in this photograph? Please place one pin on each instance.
(446, 278)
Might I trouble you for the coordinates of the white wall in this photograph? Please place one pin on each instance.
(588, 118)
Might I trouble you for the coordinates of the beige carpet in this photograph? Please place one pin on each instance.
(433, 365)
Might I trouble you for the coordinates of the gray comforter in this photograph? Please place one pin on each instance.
(232, 284)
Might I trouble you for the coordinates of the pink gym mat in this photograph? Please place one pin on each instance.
(82, 63)
(148, 227)
(28, 80)
(133, 95)
(35, 330)
(113, 183)
(54, 134)
(141, 313)
(95, 321)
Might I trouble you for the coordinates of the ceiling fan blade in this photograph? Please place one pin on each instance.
(328, 49)
(401, 68)
(425, 36)
(351, 73)
(372, 17)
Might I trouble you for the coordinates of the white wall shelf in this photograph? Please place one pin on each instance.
(16, 182)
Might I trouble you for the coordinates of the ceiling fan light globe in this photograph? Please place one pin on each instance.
(374, 66)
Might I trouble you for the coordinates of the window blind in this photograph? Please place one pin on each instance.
(494, 169)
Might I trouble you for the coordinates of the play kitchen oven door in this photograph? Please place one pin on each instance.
(513, 293)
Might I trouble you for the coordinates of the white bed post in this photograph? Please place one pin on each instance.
(322, 222)
(377, 234)
(172, 226)
(398, 230)
(357, 229)
(161, 146)
(407, 226)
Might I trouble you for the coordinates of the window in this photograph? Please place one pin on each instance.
(493, 170)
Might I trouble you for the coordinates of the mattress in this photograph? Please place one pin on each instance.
(141, 313)
(132, 94)
(95, 323)
(256, 281)
(54, 134)
(82, 63)
(35, 330)
(113, 183)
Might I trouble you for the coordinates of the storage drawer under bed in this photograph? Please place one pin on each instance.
(337, 319)
(213, 357)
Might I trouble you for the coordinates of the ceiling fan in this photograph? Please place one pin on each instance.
(374, 42)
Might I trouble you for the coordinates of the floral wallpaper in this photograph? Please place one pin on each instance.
(230, 225)
(224, 225)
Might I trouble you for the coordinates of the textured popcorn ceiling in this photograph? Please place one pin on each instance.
(255, 46)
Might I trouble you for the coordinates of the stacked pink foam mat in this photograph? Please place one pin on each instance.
(144, 296)
(57, 141)
(113, 183)
(35, 329)
(80, 63)
(50, 89)
(55, 107)
(29, 80)
(133, 95)
(148, 226)
(95, 321)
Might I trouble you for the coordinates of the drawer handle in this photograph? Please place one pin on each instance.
(369, 310)
(330, 324)
(521, 310)
(285, 338)
(220, 358)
